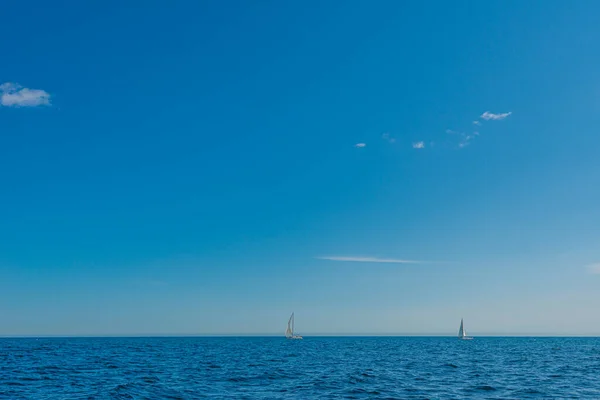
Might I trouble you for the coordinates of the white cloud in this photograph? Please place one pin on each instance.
(465, 139)
(418, 145)
(494, 117)
(594, 269)
(369, 260)
(476, 123)
(360, 145)
(14, 95)
(386, 136)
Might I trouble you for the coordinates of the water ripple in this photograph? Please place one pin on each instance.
(315, 368)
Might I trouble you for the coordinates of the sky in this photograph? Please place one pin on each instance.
(381, 167)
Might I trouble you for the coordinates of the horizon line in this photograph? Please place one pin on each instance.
(274, 335)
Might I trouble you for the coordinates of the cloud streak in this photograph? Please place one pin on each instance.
(14, 95)
(388, 138)
(488, 116)
(464, 138)
(369, 260)
(593, 269)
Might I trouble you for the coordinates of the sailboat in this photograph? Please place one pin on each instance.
(462, 333)
(289, 332)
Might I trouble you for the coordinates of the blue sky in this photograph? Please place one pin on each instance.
(209, 167)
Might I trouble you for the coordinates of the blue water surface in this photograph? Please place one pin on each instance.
(313, 368)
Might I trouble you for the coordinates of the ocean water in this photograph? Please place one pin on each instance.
(313, 368)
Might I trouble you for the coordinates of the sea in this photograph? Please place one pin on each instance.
(313, 368)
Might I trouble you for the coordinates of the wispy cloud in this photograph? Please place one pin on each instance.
(464, 138)
(593, 269)
(494, 117)
(418, 145)
(387, 137)
(476, 123)
(369, 260)
(360, 145)
(14, 95)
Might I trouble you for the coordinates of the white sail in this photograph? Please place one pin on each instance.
(289, 332)
(461, 330)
